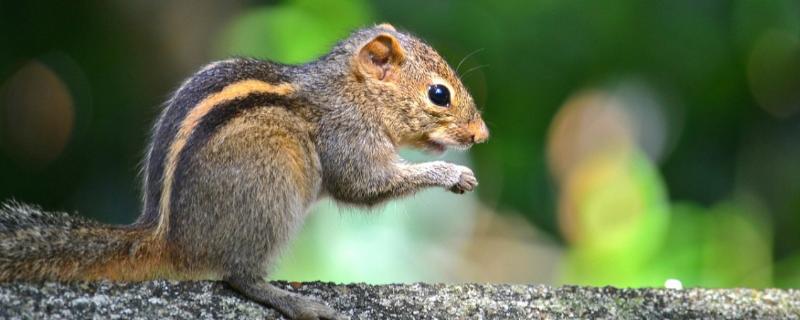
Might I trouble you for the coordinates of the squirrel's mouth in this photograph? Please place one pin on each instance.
(434, 147)
(437, 146)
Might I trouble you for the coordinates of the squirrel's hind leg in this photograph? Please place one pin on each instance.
(293, 306)
(247, 196)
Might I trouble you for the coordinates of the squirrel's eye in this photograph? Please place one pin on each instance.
(439, 95)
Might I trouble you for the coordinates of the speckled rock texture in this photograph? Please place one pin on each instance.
(213, 300)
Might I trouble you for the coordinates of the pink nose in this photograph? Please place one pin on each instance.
(478, 129)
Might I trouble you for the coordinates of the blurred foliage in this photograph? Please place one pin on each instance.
(618, 221)
(273, 32)
(651, 139)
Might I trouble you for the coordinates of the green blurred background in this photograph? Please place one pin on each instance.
(632, 141)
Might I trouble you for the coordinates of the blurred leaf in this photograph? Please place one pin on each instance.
(621, 216)
(727, 245)
(737, 248)
(295, 32)
(787, 272)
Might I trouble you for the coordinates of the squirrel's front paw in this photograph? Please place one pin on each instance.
(461, 179)
(466, 181)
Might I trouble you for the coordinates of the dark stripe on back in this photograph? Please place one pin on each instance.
(210, 123)
(199, 87)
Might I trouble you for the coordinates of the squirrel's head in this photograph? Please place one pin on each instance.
(418, 97)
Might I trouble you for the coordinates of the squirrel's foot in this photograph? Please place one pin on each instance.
(291, 305)
(298, 307)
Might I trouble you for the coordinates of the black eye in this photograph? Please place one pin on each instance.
(439, 95)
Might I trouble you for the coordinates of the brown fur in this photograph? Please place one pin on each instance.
(187, 126)
(240, 153)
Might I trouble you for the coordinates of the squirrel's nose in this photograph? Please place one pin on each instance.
(477, 128)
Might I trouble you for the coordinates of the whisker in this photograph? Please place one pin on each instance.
(472, 69)
(467, 57)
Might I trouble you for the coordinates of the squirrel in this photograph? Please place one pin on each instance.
(241, 151)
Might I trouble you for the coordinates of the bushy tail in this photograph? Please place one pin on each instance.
(38, 245)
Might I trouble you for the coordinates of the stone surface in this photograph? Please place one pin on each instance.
(212, 300)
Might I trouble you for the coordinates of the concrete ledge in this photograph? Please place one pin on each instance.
(181, 300)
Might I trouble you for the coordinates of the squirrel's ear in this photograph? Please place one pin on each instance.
(380, 57)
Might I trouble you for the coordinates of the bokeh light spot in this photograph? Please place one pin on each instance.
(774, 73)
(37, 115)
